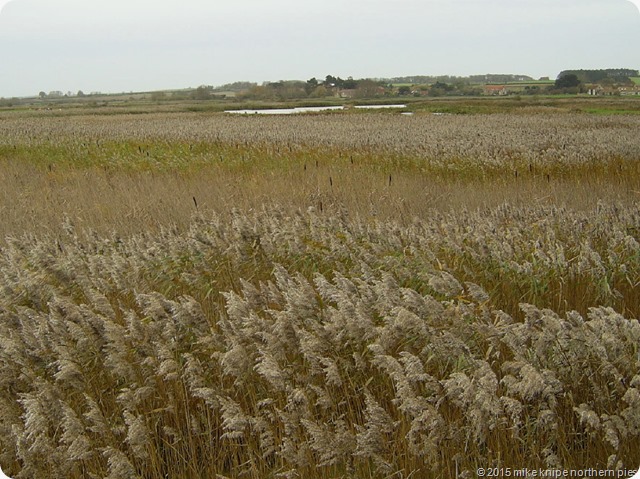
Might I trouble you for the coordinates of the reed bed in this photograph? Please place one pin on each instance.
(319, 345)
(135, 173)
(433, 142)
(329, 296)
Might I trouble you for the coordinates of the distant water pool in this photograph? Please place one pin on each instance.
(285, 111)
(305, 109)
(372, 107)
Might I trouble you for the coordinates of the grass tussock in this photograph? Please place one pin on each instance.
(327, 296)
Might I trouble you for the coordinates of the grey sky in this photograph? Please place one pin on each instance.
(133, 45)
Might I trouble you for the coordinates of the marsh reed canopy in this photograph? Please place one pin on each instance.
(325, 296)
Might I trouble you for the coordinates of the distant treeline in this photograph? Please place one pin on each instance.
(235, 86)
(473, 79)
(598, 76)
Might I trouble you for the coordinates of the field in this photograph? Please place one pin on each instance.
(337, 295)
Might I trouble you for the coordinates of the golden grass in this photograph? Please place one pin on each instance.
(35, 199)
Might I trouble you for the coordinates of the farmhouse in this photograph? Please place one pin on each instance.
(495, 90)
(629, 90)
(599, 90)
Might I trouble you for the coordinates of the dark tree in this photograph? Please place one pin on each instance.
(203, 92)
(570, 80)
(350, 84)
(311, 85)
(330, 80)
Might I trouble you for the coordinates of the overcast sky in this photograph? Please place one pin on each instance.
(137, 45)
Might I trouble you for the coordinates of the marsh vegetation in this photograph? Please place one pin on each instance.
(335, 295)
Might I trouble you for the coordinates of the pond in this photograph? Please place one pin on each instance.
(286, 111)
(306, 109)
(367, 107)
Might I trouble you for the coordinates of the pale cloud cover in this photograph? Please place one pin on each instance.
(132, 45)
